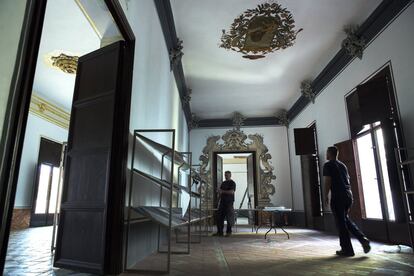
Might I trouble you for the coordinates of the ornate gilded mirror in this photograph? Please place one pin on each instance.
(237, 141)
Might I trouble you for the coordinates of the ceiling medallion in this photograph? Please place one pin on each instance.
(66, 63)
(261, 31)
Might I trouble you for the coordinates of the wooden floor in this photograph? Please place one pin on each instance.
(307, 252)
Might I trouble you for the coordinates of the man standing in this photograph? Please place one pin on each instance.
(337, 181)
(226, 210)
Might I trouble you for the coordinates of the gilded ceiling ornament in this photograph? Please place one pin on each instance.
(66, 63)
(42, 107)
(194, 121)
(260, 31)
(236, 140)
(176, 53)
(238, 120)
(307, 90)
(353, 44)
(187, 97)
(283, 118)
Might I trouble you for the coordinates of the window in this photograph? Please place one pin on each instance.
(375, 128)
(374, 172)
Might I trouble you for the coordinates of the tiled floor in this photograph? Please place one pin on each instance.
(305, 253)
(29, 253)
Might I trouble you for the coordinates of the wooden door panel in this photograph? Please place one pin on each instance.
(304, 141)
(250, 179)
(92, 168)
(347, 156)
(82, 237)
(219, 176)
(88, 226)
(93, 131)
(107, 71)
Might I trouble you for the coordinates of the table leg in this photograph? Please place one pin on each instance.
(269, 231)
(285, 232)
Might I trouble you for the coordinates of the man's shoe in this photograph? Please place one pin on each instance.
(228, 235)
(344, 253)
(217, 235)
(366, 245)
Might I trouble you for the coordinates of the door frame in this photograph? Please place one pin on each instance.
(311, 220)
(215, 184)
(47, 215)
(18, 110)
(389, 230)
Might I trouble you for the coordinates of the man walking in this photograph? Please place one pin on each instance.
(226, 210)
(337, 181)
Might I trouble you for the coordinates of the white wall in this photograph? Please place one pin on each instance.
(36, 128)
(11, 20)
(155, 104)
(275, 138)
(394, 44)
(155, 98)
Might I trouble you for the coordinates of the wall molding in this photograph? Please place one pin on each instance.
(166, 17)
(252, 121)
(379, 19)
(49, 112)
(386, 12)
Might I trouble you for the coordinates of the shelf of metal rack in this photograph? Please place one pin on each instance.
(404, 157)
(164, 214)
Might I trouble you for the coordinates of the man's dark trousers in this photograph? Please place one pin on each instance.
(340, 208)
(225, 211)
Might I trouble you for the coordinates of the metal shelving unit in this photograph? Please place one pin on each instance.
(169, 218)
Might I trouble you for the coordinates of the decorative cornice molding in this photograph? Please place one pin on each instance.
(307, 90)
(238, 120)
(383, 15)
(176, 54)
(194, 122)
(166, 17)
(248, 122)
(353, 44)
(282, 118)
(49, 111)
(187, 97)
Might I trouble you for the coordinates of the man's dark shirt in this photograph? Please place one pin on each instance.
(338, 172)
(228, 185)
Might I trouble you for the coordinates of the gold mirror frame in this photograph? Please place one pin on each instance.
(235, 140)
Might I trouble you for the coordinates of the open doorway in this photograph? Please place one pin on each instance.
(71, 30)
(241, 166)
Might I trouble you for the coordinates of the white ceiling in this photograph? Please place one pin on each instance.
(66, 29)
(223, 81)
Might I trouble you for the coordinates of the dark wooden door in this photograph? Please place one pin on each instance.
(347, 150)
(250, 181)
(84, 241)
(304, 141)
(46, 183)
(311, 189)
(219, 175)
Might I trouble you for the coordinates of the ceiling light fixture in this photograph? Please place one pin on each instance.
(261, 31)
